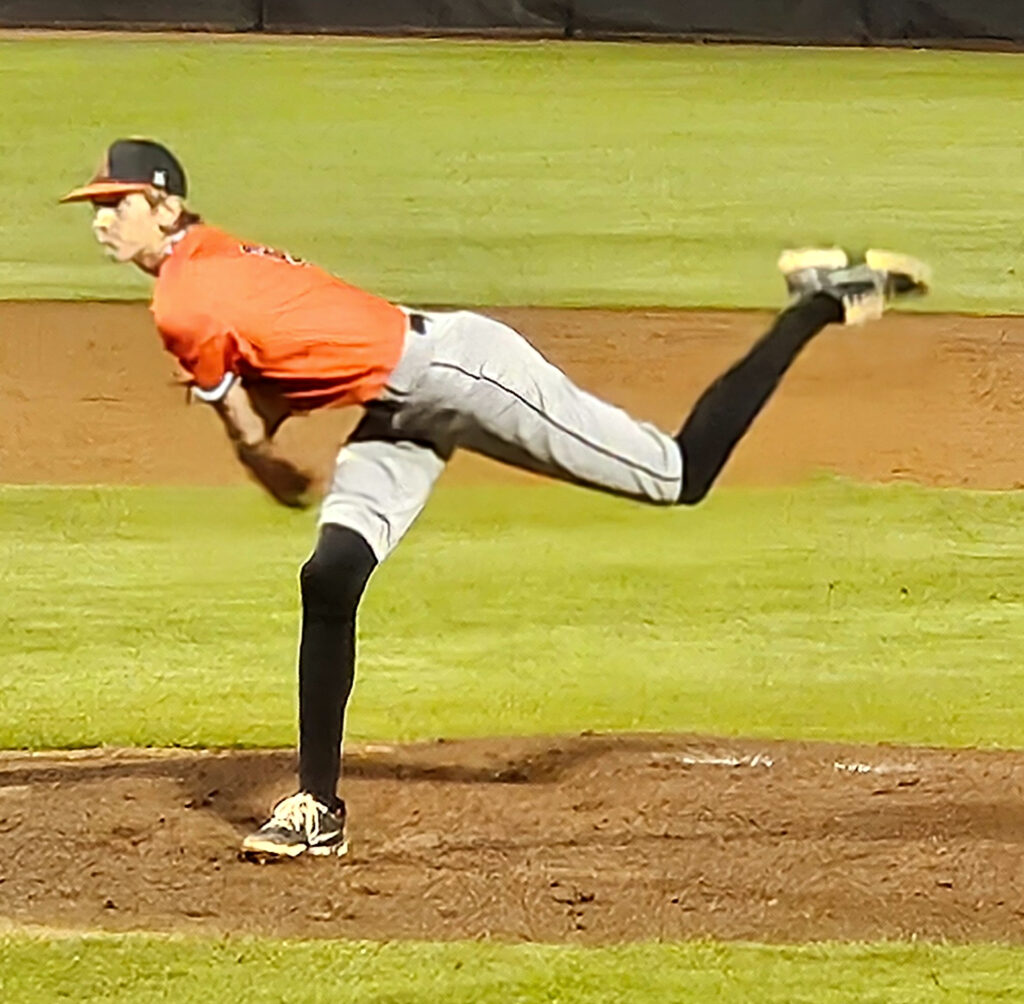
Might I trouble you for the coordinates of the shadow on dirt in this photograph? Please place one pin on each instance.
(584, 838)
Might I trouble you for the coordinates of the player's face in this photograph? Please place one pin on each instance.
(128, 227)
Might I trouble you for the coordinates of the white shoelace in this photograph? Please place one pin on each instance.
(300, 812)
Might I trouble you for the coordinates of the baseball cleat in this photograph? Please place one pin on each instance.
(864, 288)
(299, 824)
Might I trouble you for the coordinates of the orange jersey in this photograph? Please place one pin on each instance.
(225, 307)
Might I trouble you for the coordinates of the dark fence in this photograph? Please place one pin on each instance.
(979, 20)
(204, 15)
(541, 17)
(862, 22)
(768, 20)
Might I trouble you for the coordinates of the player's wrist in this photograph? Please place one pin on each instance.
(246, 448)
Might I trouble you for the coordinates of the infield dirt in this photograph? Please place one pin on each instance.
(592, 838)
(87, 395)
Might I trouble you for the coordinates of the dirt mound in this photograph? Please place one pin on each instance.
(88, 395)
(592, 838)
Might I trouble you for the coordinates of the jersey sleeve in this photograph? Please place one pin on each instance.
(209, 354)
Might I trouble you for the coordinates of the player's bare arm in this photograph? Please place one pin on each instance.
(250, 430)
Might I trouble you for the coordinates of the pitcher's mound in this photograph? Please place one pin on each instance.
(595, 838)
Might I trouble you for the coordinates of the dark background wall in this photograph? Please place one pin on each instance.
(865, 22)
(774, 20)
(538, 16)
(210, 15)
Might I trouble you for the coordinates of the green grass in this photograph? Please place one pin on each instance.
(472, 173)
(138, 970)
(169, 616)
(480, 174)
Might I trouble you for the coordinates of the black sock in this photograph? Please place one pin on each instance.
(332, 583)
(727, 408)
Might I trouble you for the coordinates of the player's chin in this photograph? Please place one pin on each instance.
(111, 251)
(120, 254)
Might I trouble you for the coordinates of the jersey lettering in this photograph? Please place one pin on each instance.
(229, 306)
(265, 252)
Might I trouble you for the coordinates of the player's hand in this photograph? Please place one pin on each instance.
(287, 483)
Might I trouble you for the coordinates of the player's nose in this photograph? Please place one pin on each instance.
(103, 217)
(102, 222)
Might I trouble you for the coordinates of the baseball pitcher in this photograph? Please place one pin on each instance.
(263, 335)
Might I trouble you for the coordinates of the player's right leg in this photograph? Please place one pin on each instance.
(513, 405)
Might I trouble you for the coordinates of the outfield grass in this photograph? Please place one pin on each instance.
(169, 616)
(139, 970)
(547, 173)
(583, 174)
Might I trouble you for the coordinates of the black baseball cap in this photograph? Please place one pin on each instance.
(133, 165)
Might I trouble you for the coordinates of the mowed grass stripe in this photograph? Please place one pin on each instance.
(145, 616)
(147, 970)
(529, 173)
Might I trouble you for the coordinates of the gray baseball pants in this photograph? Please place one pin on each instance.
(467, 381)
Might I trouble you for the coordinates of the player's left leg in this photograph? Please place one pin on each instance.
(380, 486)
(331, 583)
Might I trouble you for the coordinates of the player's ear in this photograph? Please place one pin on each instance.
(168, 211)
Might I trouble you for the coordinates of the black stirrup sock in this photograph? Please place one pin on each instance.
(332, 583)
(726, 409)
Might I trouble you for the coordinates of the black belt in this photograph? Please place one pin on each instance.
(418, 323)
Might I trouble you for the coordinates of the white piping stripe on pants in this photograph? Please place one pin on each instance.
(474, 383)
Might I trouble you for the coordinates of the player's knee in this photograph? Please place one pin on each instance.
(697, 481)
(333, 578)
(693, 492)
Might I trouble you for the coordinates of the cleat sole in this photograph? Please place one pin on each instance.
(861, 309)
(332, 850)
(264, 857)
(252, 848)
(908, 275)
(265, 854)
(797, 259)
